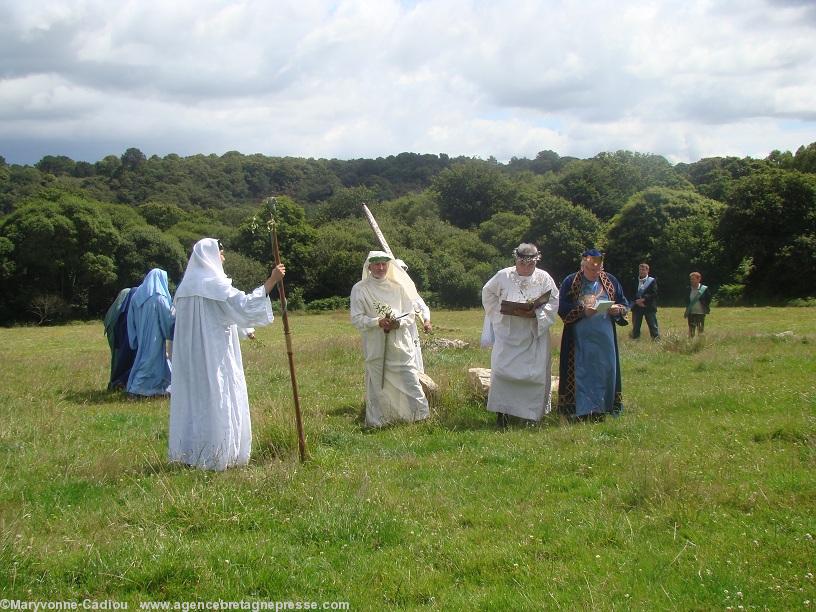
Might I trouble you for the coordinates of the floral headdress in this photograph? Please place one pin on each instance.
(517, 254)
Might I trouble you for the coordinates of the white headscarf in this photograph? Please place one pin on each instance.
(205, 275)
(395, 274)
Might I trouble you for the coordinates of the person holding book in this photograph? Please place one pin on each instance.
(382, 308)
(520, 304)
(644, 305)
(698, 305)
(592, 304)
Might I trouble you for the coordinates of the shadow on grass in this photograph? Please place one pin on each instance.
(96, 396)
(269, 451)
(465, 410)
(103, 396)
(450, 413)
(548, 421)
(352, 409)
(158, 466)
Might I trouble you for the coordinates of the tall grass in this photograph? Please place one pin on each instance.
(701, 495)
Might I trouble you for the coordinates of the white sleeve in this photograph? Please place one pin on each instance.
(547, 313)
(359, 318)
(423, 309)
(491, 298)
(250, 309)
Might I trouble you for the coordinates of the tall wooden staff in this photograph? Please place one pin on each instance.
(282, 293)
(377, 232)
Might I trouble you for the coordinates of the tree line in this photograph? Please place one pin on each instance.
(73, 233)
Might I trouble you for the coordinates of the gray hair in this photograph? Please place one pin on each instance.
(526, 251)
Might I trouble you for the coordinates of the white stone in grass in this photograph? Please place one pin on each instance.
(429, 388)
(480, 380)
(446, 343)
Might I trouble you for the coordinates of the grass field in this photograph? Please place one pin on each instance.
(702, 495)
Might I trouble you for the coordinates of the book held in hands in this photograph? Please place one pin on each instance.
(524, 309)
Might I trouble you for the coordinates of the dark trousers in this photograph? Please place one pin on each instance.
(696, 322)
(638, 314)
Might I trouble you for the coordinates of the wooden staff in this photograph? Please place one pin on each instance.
(282, 293)
(377, 231)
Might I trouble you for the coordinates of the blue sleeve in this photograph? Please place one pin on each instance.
(167, 320)
(133, 339)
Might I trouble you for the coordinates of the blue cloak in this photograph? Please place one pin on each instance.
(589, 369)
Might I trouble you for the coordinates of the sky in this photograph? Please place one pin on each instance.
(354, 79)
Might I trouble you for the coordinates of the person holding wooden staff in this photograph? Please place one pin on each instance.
(382, 308)
(520, 305)
(209, 407)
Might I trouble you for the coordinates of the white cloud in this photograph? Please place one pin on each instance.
(356, 78)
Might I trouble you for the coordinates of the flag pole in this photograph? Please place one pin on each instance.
(304, 454)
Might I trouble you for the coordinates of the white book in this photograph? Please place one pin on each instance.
(601, 306)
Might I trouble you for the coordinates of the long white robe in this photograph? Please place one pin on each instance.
(398, 396)
(520, 383)
(422, 311)
(209, 408)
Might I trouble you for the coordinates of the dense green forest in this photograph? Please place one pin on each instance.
(73, 233)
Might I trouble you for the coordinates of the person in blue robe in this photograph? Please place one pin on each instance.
(150, 324)
(116, 331)
(591, 303)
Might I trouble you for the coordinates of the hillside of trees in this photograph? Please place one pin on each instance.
(73, 233)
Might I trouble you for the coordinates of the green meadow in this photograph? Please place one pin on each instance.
(702, 495)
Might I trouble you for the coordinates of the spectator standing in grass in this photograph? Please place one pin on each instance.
(698, 305)
(644, 305)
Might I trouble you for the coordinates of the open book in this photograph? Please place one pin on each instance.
(602, 306)
(524, 309)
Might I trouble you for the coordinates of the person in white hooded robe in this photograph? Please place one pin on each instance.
(209, 407)
(382, 308)
(520, 363)
(422, 311)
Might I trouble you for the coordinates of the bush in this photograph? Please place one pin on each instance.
(730, 295)
(808, 302)
(246, 273)
(330, 303)
(49, 308)
(294, 299)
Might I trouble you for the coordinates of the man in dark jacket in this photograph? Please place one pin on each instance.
(645, 303)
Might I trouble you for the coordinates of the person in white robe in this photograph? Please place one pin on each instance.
(209, 407)
(422, 311)
(520, 362)
(382, 308)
